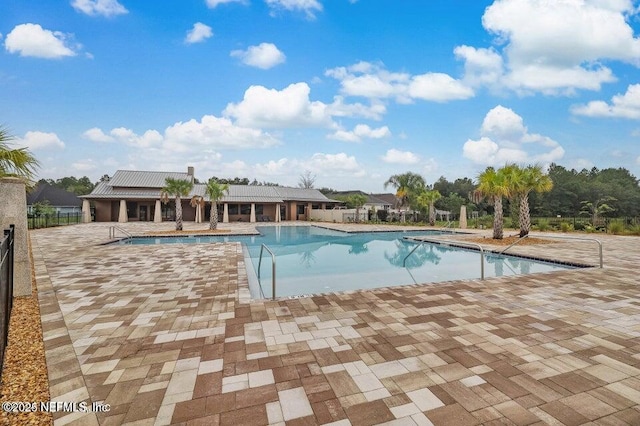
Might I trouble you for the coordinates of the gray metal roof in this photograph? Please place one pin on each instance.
(141, 179)
(127, 184)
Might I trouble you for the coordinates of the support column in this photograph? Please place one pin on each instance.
(157, 213)
(86, 211)
(463, 217)
(225, 213)
(13, 211)
(122, 214)
(252, 217)
(278, 216)
(309, 208)
(198, 214)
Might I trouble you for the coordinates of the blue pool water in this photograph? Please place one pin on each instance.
(313, 260)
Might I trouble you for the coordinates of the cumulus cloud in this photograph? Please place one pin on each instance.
(85, 165)
(34, 140)
(263, 56)
(625, 105)
(395, 156)
(308, 7)
(214, 3)
(361, 131)
(33, 40)
(291, 107)
(209, 133)
(374, 81)
(505, 138)
(552, 47)
(200, 32)
(106, 8)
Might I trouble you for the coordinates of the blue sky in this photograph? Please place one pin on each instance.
(352, 91)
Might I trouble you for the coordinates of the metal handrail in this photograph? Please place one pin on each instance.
(112, 232)
(447, 243)
(562, 237)
(448, 225)
(273, 269)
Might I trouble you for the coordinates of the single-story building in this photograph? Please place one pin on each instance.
(59, 200)
(374, 202)
(135, 196)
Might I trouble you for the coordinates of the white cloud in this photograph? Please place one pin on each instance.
(638, 160)
(438, 87)
(309, 7)
(263, 56)
(396, 156)
(214, 3)
(333, 164)
(359, 132)
(504, 138)
(85, 165)
(552, 47)
(622, 106)
(39, 140)
(106, 8)
(374, 81)
(200, 32)
(292, 108)
(193, 136)
(33, 40)
(97, 135)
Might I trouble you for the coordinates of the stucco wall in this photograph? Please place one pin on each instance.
(13, 211)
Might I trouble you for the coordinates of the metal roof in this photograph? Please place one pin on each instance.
(127, 184)
(141, 179)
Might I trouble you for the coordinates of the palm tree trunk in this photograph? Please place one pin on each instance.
(498, 219)
(432, 215)
(525, 217)
(357, 215)
(178, 214)
(213, 219)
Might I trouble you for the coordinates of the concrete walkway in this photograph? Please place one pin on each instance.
(164, 335)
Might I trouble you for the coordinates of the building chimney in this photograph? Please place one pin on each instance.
(190, 171)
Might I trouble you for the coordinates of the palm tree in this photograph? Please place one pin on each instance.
(215, 191)
(427, 199)
(407, 185)
(494, 185)
(522, 182)
(15, 162)
(178, 188)
(358, 200)
(197, 201)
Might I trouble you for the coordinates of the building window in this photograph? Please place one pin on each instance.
(301, 208)
(245, 208)
(233, 209)
(315, 206)
(259, 209)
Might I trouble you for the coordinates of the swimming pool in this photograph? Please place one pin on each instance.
(312, 260)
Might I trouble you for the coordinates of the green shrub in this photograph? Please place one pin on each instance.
(543, 225)
(580, 226)
(589, 229)
(634, 230)
(615, 227)
(566, 227)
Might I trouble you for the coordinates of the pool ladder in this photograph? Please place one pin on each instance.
(561, 237)
(113, 229)
(449, 243)
(273, 269)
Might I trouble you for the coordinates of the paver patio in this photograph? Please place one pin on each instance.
(166, 335)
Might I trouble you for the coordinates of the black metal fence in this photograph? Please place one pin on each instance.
(35, 221)
(6, 288)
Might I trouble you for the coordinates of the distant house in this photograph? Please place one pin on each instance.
(135, 196)
(374, 201)
(60, 200)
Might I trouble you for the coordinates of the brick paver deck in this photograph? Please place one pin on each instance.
(165, 335)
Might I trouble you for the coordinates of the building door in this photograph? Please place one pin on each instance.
(143, 214)
(283, 212)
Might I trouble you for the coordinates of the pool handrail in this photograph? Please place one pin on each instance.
(273, 269)
(452, 243)
(561, 237)
(112, 232)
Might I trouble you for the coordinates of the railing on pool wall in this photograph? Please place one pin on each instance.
(273, 269)
(561, 237)
(113, 229)
(446, 243)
